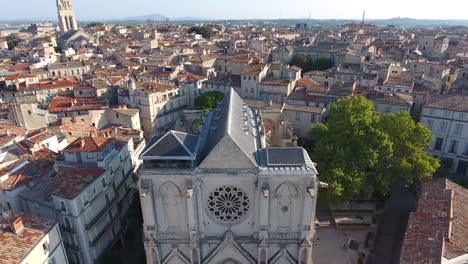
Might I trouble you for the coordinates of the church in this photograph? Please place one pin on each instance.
(223, 197)
(70, 35)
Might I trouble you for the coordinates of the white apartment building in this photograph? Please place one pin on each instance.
(92, 195)
(447, 117)
(28, 239)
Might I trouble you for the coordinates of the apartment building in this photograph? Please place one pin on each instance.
(447, 118)
(92, 195)
(28, 239)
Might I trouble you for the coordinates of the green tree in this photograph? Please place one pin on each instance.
(322, 64)
(131, 26)
(95, 24)
(307, 64)
(361, 154)
(205, 31)
(208, 100)
(11, 44)
(302, 61)
(409, 163)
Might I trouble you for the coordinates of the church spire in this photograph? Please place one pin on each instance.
(66, 16)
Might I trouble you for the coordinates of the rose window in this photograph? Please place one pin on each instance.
(228, 204)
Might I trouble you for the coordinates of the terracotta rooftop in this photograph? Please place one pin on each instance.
(439, 227)
(88, 144)
(65, 104)
(253, 69)
(73, 181)
(449, 102)
(15, 247)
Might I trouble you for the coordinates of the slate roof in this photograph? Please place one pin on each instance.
(285, 156)
(173, 144)
(228, 121)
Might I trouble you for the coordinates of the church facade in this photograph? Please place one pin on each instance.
(221, 196)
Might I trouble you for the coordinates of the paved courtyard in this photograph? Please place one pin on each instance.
(329, 245)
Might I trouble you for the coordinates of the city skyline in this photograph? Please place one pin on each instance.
(242, 9)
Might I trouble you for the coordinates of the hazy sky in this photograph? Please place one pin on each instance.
(241, 9)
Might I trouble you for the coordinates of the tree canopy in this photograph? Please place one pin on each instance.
(11, 44)
(307, 64)
(131, 26)
(361, 153)
(95, 24)
(209, 100)
(205, 31)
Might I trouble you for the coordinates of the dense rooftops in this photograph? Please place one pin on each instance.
(14, 247)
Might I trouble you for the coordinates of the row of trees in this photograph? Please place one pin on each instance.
(205, 31)
(307, 64)
(361, 154)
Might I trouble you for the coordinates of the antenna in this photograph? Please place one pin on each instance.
(363, 17)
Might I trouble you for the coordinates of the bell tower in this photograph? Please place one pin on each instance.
(66, 16)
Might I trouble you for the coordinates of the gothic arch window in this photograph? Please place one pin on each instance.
(72, 26)
(285, 194)
(172, 202)
(228, 204)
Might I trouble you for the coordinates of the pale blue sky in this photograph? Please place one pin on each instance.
(241, 9)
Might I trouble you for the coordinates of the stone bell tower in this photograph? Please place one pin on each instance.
(66, 16)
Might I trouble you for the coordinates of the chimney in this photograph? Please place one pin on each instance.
(17, 225)
(82, 142)
(270, 103)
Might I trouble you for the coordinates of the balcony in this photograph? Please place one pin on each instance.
(72, 247)
(68, 229)
(103, 212)
(115, 218)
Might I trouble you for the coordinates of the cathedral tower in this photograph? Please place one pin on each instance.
(66, 16)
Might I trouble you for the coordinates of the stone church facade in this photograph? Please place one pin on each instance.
(221, 196)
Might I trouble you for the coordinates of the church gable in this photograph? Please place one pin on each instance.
(229, 252)
(175, 257)
(227, 154)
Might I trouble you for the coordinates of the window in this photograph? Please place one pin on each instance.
(438, 143)
(117, 115)
(9, 206)
(461, 116)
(298, 115)
(107, 198)
(29, 112)
(465, 150)
(250, 78)
(255, 78)
(89, 155)
(45, 246)
(446, 113)
(388, 109)
(312, 118)
(84, 199)
(430, 123)
(53, 261)
(458, 129)
(245, 77)
(443, 126)
(432, 111)
(63, 208)
(453, 146)
(103, 181)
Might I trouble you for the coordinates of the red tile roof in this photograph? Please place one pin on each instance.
(439, 228)
(15, 247)
(91, 144)
(72, 182)
(66, 104)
